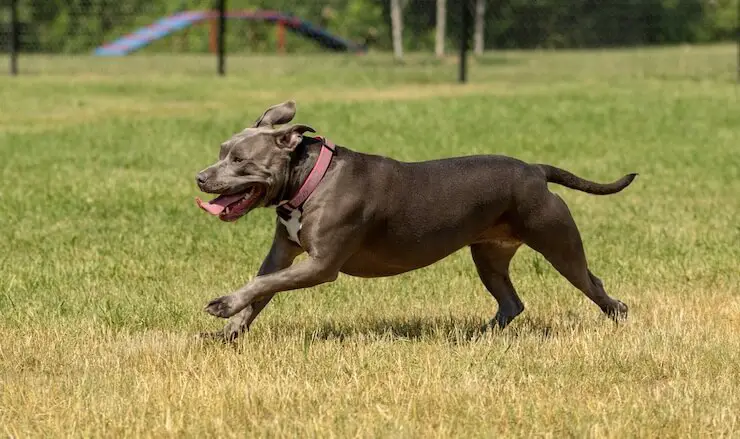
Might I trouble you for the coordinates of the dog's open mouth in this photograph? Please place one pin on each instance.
(233, 207)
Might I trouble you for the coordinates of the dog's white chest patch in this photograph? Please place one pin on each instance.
(293, 224)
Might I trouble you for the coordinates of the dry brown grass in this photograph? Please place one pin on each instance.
(672, 372)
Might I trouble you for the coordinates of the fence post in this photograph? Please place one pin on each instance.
(221, 37)
(464, 40)
(280, 31)
(13, 40)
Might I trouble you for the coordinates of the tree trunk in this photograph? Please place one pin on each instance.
(480, 15)
(439, 46)
(397, 26)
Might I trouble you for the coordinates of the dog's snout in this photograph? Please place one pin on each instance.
(200, 179)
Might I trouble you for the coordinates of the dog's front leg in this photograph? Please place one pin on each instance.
(307, 273)
(282, 254)
(329, 241)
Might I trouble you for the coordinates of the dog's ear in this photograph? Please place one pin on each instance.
(277, 114)
(290, 136)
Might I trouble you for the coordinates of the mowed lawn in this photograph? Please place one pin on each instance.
(106, 262)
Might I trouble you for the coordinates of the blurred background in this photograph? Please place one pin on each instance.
(126, 27)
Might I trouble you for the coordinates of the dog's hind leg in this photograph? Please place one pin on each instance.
(549, 229)
(492, 263)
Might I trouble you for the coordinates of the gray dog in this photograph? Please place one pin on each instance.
(370, 216)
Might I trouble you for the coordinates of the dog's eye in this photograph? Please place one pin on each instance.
(237, 159)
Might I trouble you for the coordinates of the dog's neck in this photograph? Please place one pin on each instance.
(302, 161)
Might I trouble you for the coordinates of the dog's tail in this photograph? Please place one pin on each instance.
(565, 178)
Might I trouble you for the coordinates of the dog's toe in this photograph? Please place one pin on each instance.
(501, 321)
(619, 312)
(221, 307)
(622, 308)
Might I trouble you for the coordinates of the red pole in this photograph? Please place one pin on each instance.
(281, 36)
(212, 32)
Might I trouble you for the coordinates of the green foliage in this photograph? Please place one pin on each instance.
(591, 23)
(80, 25)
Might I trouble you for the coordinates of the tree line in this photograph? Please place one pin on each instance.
(418, 25)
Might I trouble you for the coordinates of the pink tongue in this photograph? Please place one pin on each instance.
(218, 204)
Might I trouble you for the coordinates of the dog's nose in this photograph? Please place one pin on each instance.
(200, 179)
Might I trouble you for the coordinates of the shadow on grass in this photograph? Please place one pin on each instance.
(455, 330)
(452, 330)
(415, 328)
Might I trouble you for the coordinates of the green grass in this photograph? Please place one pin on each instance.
(107, 263)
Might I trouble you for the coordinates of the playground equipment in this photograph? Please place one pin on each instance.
(167, 25)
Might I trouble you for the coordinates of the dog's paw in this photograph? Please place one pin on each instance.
(619, 312)
(223, 307)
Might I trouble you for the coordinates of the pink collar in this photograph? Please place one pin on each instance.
(314, 177)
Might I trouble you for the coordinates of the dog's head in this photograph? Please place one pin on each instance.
(253, 165)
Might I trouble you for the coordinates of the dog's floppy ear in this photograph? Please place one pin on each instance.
(291, 135)
(277, 114)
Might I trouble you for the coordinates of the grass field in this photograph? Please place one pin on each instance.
(107, 263)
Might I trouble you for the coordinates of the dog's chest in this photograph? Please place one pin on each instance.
(292, 222)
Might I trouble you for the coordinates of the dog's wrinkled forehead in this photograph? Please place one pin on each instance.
(245, 139)
(276, 114)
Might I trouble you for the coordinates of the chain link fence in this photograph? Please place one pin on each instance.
(118, 28)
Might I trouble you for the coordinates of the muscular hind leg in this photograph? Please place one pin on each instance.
(492, 264)
(550, 230)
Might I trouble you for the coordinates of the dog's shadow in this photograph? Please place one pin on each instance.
(452, 330)
(414, 328)
(455, 330)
